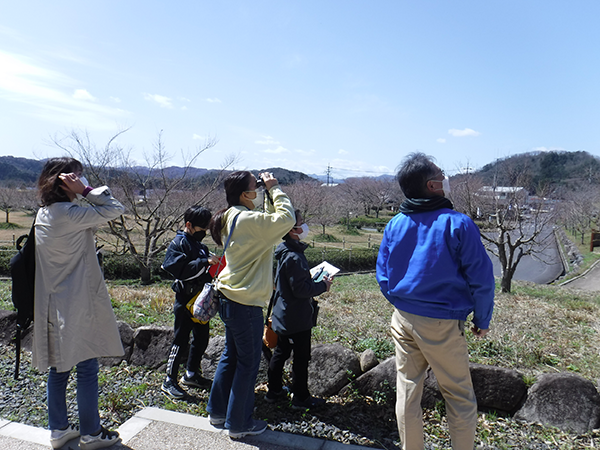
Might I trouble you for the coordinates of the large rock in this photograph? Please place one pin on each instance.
(8, 326)
(151, 346)
(126, 333)
(497, 388)
(379, 380)
(331, 368)
(368, 360)
(211, 356)
(563, 400)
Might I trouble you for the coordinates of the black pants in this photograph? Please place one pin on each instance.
(299, 343)
(200, 335)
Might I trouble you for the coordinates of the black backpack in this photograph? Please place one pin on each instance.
(22, 272)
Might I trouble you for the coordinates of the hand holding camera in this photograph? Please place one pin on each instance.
(266, 180)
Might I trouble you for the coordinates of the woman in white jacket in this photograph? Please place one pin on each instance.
(74, 323)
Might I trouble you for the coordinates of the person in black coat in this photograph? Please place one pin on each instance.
(292, 317)
(188, 261)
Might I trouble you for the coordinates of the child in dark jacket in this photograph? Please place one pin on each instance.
(188, 260)
(293, 317)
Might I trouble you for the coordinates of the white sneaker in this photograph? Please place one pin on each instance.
(217, 422)
(59, 438)
(259, 427)
(104, 438)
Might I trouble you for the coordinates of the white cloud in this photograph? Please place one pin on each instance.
(82, 94)
(546, 149)
(267, 140)
(115, 99)
(164, 102)
(197, 136)
(277, 150)
(184, 108)
(52, 96)
(184, 99)
(213, 100)
(341, 151)
(441, 140)
(462, 133)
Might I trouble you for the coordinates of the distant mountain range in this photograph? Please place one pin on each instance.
(562, 170)
(19, 172)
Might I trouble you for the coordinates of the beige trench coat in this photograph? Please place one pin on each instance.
(73, 316)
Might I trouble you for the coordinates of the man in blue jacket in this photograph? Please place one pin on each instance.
(434, 269)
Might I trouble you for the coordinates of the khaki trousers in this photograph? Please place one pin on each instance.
(421, 342)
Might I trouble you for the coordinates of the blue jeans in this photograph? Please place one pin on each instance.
(87, 397)
(232, 392)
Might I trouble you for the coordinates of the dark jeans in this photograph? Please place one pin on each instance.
(232, 392)
(87, 397)
(184, 325)
(299, 343)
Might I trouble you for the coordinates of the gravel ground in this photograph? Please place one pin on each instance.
(355, 420)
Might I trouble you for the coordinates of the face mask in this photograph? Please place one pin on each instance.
(258, 201)
(446, 186)
(304, 233)
(199, 235)
(85, 183)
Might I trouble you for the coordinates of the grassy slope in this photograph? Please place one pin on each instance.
(535, 329)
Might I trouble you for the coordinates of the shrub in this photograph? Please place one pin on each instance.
(125, 267)
(325, 238)
(5, 254)
(369, 222)
(347, 260)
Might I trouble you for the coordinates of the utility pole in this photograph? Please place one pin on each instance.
(328, 172)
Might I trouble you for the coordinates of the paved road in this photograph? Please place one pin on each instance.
(542, 268)
(588, 281)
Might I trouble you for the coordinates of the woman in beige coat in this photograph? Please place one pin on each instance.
(74, 323)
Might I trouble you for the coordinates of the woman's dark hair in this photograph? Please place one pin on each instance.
(198, 216)
(298, 217)
(414, 173)
(49, 183)
(235, 184)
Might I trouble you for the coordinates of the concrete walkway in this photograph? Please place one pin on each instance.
(587, 281)
(159, 429)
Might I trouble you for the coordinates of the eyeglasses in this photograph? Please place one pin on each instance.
(442, 173)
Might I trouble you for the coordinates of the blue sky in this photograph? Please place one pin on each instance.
(355, 85)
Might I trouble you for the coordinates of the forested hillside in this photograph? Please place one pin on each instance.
(561, 171)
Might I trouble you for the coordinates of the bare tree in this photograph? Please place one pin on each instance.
(464, 193)
(9, 201)
(518, 230)
(317, 203)
(12, 199)
(580, 210)
(371, 193)
(154, 200)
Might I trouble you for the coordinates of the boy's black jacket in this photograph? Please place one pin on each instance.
(187, 261)
(293, 309)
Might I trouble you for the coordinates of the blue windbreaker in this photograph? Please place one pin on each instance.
(433, 264)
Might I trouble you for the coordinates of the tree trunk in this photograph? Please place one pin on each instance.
(505, 283)
(7, 213)
(145, 274)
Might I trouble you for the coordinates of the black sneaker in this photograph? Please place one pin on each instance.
(272, 397)
(197, 381)
(310, 402)
(104, 438)
(172, 389)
